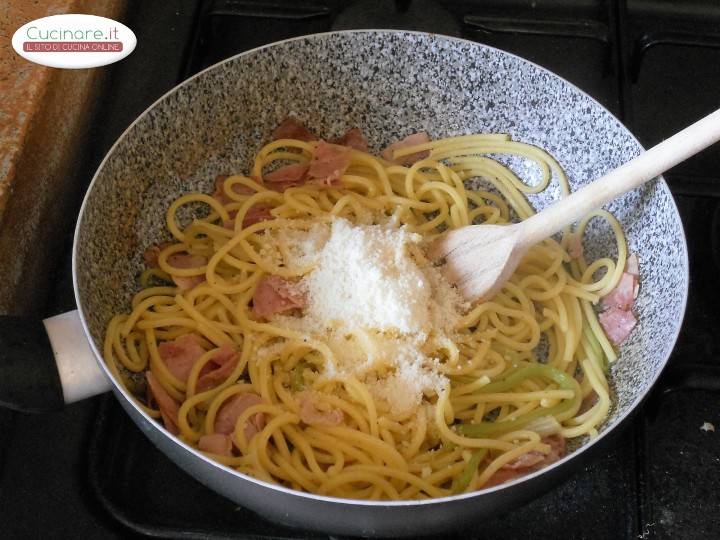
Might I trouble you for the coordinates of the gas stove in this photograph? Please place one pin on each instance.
(89, 472)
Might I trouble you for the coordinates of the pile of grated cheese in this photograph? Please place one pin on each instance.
(377, 309)
(365, 278)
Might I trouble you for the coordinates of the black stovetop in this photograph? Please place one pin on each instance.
(89, 472)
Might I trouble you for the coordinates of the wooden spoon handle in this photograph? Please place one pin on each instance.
(632, 174)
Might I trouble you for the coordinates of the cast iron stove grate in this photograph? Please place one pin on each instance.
(650, 63)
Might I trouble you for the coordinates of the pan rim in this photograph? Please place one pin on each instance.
(659, 182)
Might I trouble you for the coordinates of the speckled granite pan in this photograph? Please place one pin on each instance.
(389, 84)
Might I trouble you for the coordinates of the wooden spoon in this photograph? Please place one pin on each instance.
(479, 259)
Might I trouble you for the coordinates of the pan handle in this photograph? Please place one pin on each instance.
(47, 364)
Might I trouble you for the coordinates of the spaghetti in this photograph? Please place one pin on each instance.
(280, 399)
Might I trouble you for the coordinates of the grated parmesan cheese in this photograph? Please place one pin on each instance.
(365, 278)
(303, 247)
(415, 374)
(294, 248)
(375, 308)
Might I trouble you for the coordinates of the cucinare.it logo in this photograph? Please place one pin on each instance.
(74, 41)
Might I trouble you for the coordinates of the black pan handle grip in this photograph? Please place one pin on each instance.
(46, 364)
(29, 378)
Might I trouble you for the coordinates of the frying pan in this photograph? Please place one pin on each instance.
(390, 84)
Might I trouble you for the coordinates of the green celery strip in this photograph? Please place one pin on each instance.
(485, 429)
(592, 341)
(449, 445)
(461, 483)
(296, 376)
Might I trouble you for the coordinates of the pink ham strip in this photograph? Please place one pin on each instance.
(168, 406)
(216, 443)
(181, 354)
(525, 461)
(230, 223)
(286, 177)
(312, 416)
(533, 458)
(622, 296)
(184, 261)
(522, 466)
(152, 253)
(220, 195)
(575, 247)
(353, 138)
(329, 162)
(617, 323)
(219, 192)
(632, 265)
(255, 214)
(502, 476)
(217, 369)
(231, 410)
(618, 320)
(588, 403)
(410, 140)
(292, 129)
(276, 295)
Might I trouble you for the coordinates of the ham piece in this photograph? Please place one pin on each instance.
(353, 138)
(329, 162)
(503, 475)
(275, 295)
(218, 368)
(216, 443)
(176, 260)
(219, 192)
(618, 320)
(632, 265)
(181, 354)
(525, 461)
(168, 406)
(627, 288)
(617, 323)
(529, 462)
(410, 140)
(220, 195)
(184, 261)
(287, 176)
(292, 129)
(534, 457)
(255, 214)
(588, 403)
(231, 410)
(151, 254)
(313, 416)
(575, 247)
(623, 295)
